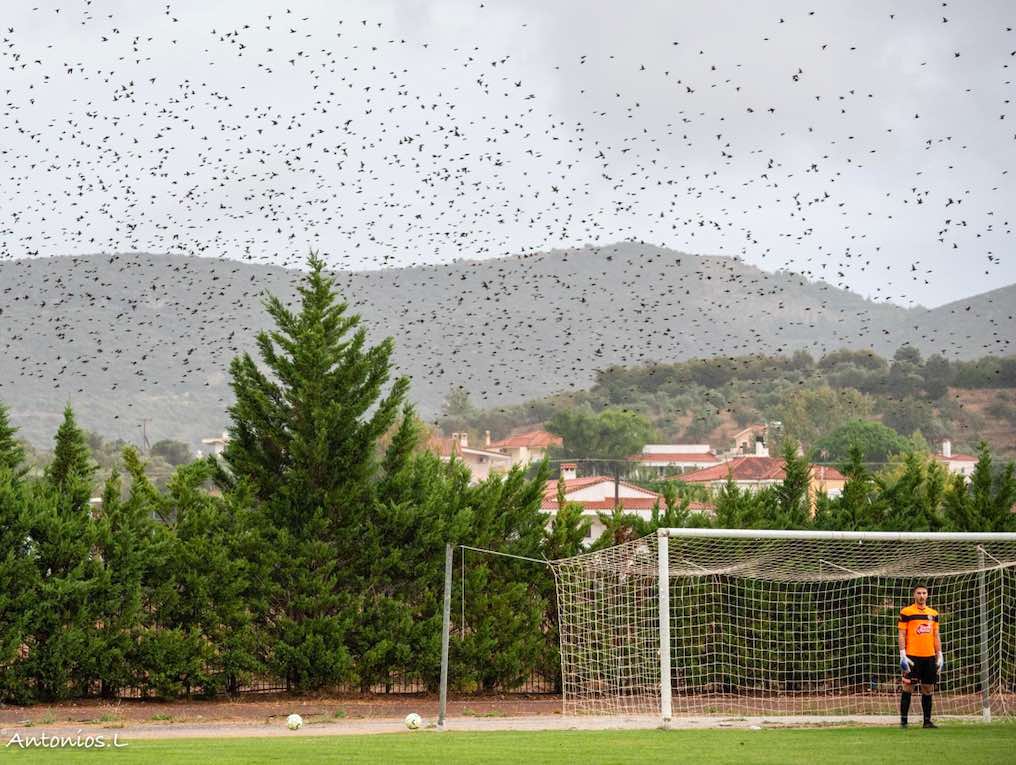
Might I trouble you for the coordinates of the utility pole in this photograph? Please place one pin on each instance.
(617, 485)
(145, 446)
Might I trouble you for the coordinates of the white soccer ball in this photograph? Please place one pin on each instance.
(294, 722)
(413, 721)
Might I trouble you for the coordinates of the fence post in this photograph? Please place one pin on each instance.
(445, 632)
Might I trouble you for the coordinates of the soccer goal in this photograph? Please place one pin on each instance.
(693, 622)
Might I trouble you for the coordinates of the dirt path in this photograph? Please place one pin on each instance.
(337, 715)
(265, 710)
(277, 728)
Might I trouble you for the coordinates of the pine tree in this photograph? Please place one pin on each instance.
(993, 495)
(503, 639)
(738, 508)
(986, 503)
(198, 588)
(12, 455)
(618, 527)
(15, 566)
(127, 549)
(305, 441)
(566, 533)
(72, 469)
(914, 499)
(422, 506)
(674, 513)
(18, 582)
(857, 508)
(64, 539)
(793, 493)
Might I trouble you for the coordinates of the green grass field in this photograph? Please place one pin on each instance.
(966, 744)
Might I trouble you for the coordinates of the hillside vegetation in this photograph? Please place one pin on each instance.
(708, 400)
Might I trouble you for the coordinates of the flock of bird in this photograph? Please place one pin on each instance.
(253, 137)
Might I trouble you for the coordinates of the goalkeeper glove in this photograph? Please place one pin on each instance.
(905, 663)
(939, 662)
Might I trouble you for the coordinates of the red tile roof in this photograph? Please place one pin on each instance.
(754, 469)
(827, 473)
(532, 439)
(445, 447)
(574, 484)
(956, 458)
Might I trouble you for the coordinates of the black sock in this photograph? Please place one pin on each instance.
(926, 706)
(904, 704)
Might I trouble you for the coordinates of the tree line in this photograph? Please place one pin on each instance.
(312, 549)
(689, 400)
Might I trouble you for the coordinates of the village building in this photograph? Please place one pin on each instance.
(481, 463)
(754, 473)
(657, 460)
(955, 464)
(596, 494)
(216, 444)
(525, 447)
(752, 440)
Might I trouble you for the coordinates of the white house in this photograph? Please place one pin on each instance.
(525, 447)
(665, 459)
(754, 473)
(481, 462)
(216, 444)
(955, 464)
(596, 495)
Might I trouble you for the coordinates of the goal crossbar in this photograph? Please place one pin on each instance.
(843, 536)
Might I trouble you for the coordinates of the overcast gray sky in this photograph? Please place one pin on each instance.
(869, 144)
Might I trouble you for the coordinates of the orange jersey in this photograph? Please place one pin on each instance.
(921, 625)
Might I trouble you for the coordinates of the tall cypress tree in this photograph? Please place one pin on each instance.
(503, 639)
(985, 504)
(64, 537)
(304, 440)
(18, 581)
(857, 508)
(12, 455)
(913, 498)
(421, 507)
(792, 494)
(17, 575)
(196, 592)
(127, 544)
(72, 469)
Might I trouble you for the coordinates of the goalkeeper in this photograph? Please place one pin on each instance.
(920, 654)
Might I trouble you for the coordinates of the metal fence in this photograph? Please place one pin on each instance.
(536, 684)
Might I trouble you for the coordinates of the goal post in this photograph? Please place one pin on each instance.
(771, 622)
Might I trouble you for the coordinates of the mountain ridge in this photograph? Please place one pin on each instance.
(132, 336)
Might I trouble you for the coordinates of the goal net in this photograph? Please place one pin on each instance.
(767, 623)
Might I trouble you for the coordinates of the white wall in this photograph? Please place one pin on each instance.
(604, 490)
(675, 449)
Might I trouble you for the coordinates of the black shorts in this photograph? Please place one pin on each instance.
(925, 670)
